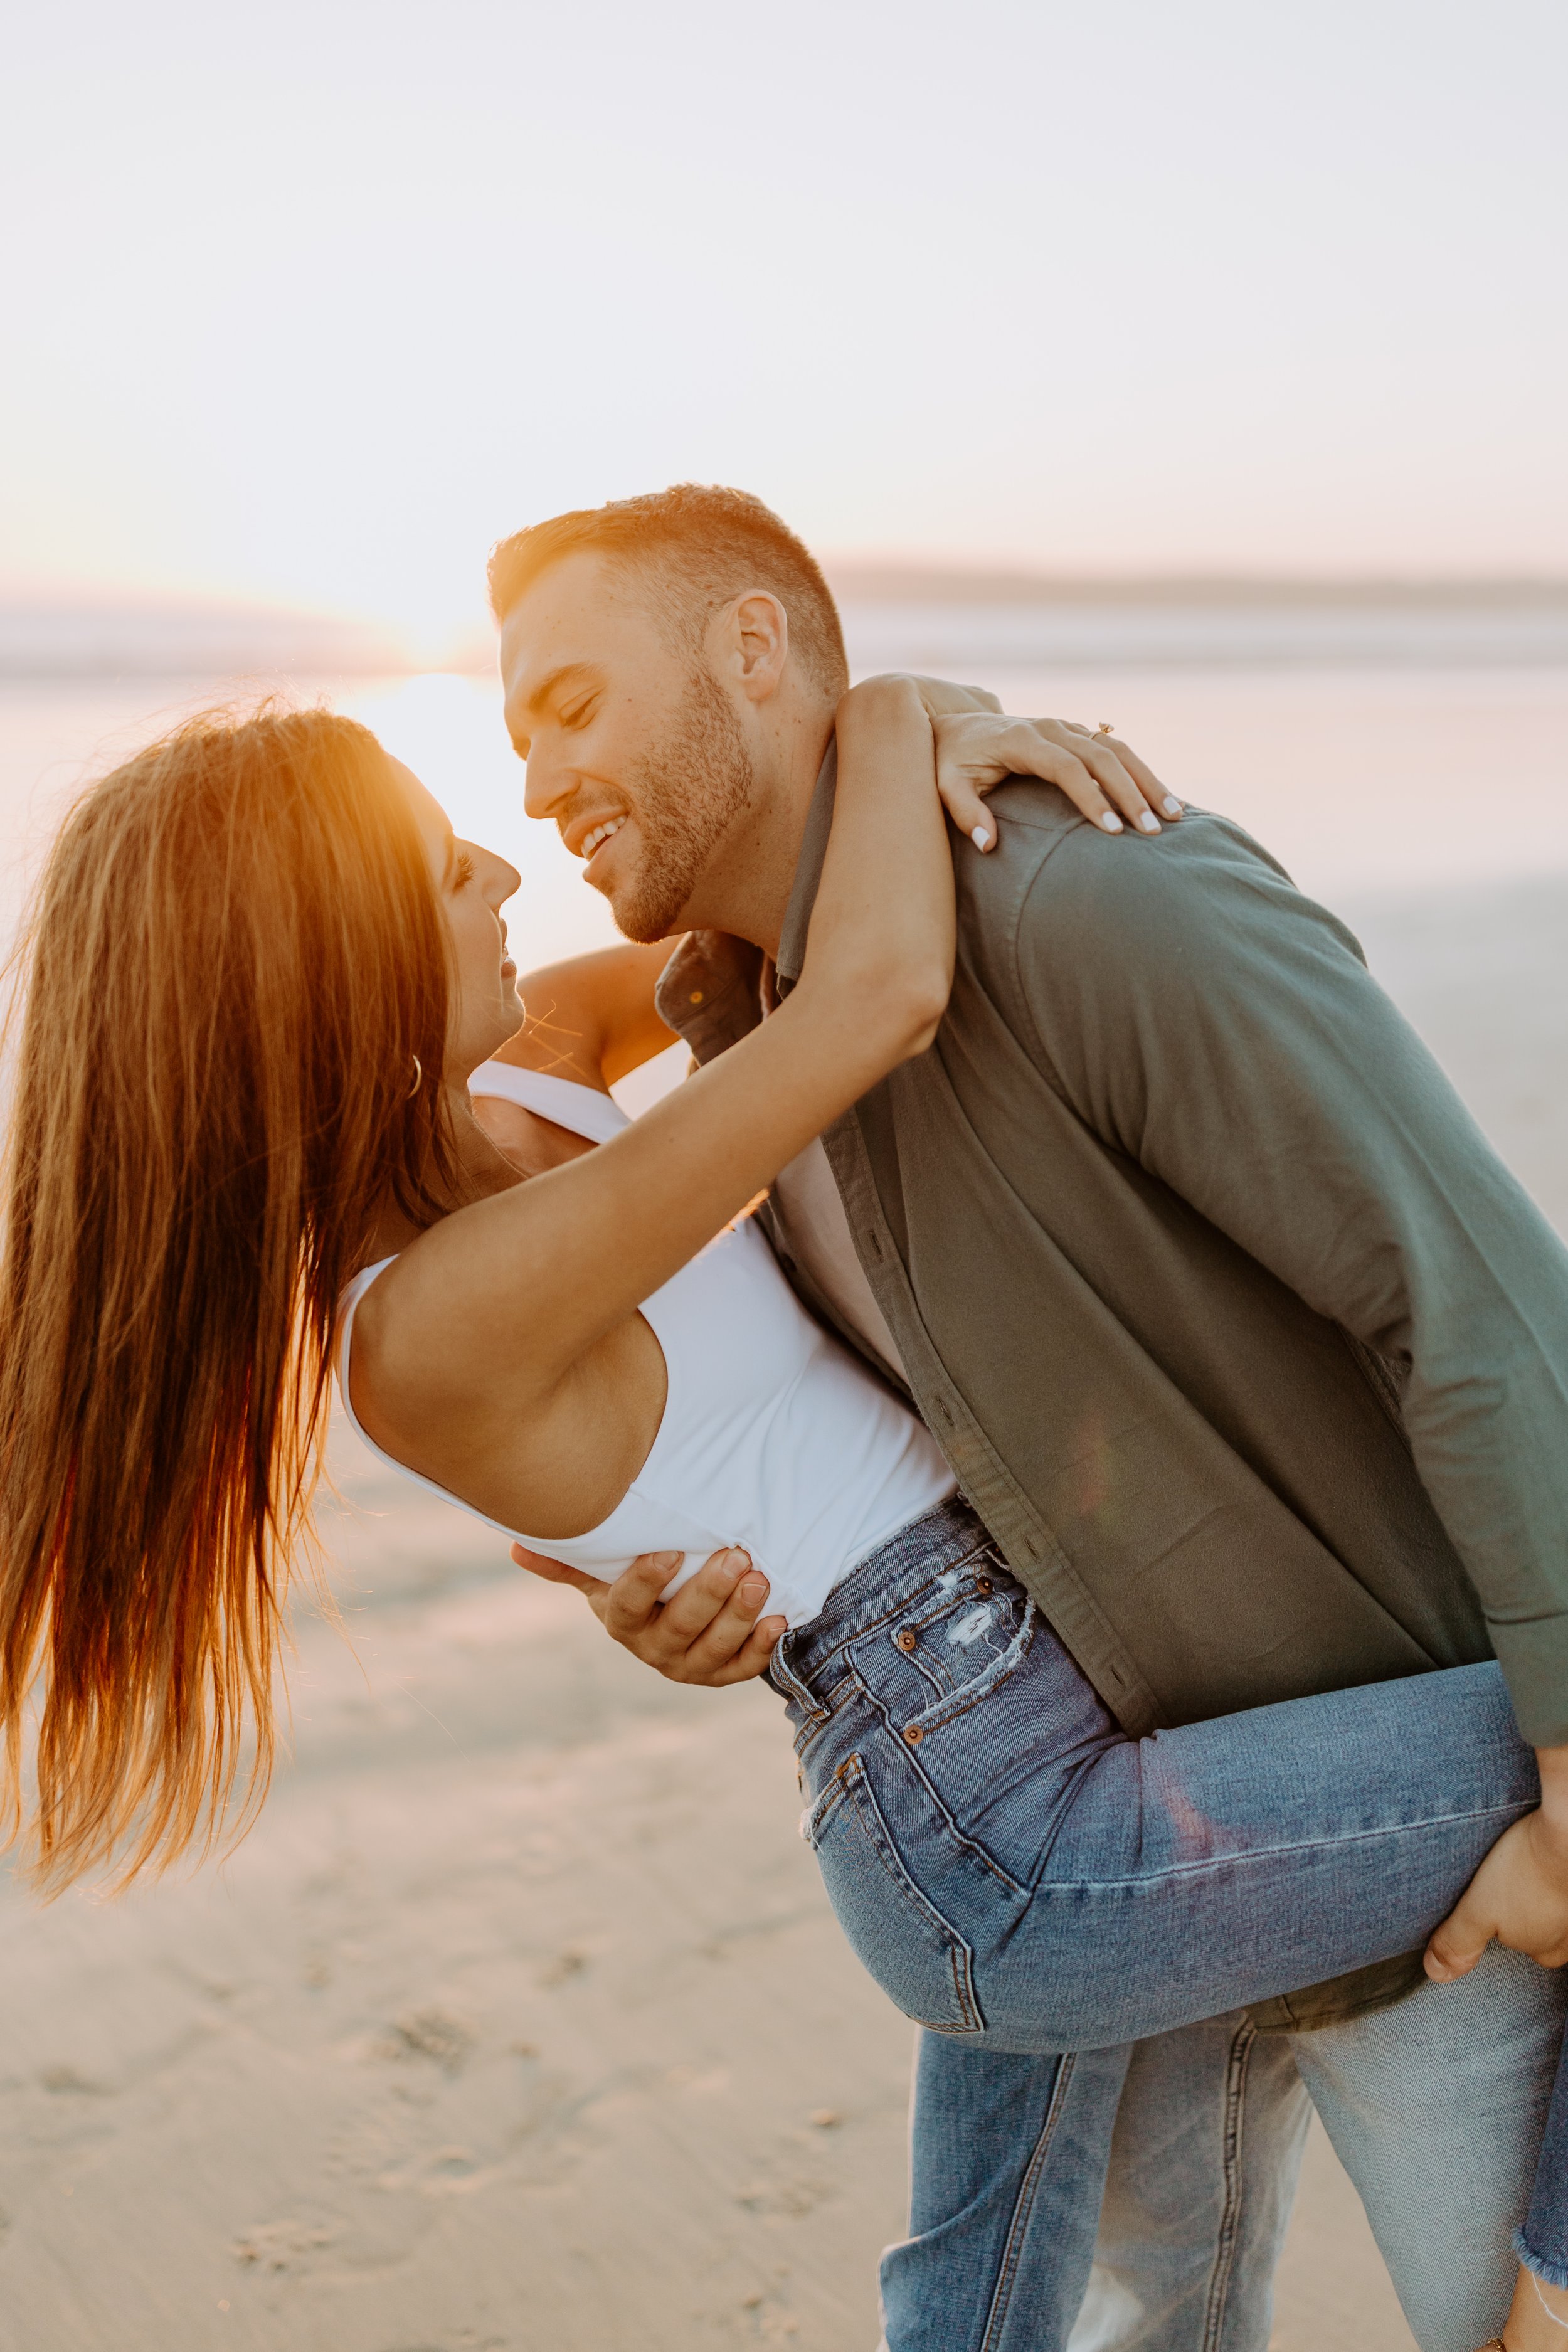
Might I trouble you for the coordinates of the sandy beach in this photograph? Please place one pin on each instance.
(520, 2024)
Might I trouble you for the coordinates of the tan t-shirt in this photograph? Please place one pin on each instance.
(808, 1208)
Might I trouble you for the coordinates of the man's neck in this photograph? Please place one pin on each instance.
(746, 887)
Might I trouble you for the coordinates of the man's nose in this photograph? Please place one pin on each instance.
(548, 784)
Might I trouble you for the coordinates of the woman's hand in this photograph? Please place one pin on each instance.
(1101, 777)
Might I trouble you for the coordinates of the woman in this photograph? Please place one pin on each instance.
(260, 976)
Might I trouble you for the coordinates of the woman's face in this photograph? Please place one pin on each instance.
(472, 886)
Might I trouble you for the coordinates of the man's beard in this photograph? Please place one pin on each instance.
(685, 793)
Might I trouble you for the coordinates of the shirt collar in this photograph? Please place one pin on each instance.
(808, 872)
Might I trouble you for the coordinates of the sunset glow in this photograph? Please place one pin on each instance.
(311, 309)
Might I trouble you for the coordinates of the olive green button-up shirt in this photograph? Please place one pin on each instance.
(1244, 1345)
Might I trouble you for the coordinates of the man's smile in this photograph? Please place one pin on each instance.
(605, 830)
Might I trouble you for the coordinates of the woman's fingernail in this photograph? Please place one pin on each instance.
(1149, 822)
(1110, 821)
(1172, 805)
(979, 837)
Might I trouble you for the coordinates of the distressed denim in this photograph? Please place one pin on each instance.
(1022, 1879)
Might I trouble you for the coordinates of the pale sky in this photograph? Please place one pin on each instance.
(308, 302)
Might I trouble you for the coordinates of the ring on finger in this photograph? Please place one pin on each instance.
(1105, 729)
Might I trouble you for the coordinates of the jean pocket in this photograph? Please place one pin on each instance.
(923, 1963)
(954, 1645)
(984, 1669)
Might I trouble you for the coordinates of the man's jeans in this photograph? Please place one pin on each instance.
(1435, 2107)
(1021, 1876)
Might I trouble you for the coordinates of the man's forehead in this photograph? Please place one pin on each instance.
(579, 609)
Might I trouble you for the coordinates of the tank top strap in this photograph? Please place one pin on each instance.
(581, 1110)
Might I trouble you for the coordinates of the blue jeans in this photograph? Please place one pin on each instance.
(1434, 2107)
(1021, 1878)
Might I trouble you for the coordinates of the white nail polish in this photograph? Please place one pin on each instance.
(1110, 821)
(1149, 822)
(1172, 806)
(979, 837)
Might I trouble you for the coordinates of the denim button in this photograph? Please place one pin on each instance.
(906, 1640)
(913, 1733)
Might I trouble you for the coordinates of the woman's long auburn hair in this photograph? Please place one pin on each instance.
(235, 955)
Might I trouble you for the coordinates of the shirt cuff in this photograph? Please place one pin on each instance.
(1534, 1660)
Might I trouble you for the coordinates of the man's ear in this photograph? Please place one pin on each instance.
(752, 645)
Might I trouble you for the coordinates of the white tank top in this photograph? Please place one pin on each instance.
(775, 1436)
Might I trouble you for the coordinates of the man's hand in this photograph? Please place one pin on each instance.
(1520, 1893)
(708, 1635)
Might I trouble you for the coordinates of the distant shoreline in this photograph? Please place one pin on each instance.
(895, 615)
(895, 583)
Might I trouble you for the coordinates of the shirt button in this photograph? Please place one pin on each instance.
(906, 1640)
(913, 1733)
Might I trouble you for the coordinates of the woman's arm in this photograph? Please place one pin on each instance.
(482, 1318)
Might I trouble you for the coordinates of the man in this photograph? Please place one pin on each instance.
(1249, 1354)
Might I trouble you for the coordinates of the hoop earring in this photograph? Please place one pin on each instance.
(418, 1076)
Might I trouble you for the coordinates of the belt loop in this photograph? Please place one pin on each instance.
(782, 1677)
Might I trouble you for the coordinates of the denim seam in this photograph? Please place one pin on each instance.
(1023, 2209)
(852, 1777)
(1237, 2072)
(817, 1816)
(1271, 1854)
(970, 1846)
(815, 1723)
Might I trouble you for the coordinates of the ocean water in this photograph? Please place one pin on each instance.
(1364, 779)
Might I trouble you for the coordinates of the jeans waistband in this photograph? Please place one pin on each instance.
(885, 1583)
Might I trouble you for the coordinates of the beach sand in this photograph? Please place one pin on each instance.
(520, 2024)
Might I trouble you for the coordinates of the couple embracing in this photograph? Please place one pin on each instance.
(1131, 1435)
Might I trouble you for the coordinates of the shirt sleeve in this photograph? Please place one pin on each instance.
(1203, 1016)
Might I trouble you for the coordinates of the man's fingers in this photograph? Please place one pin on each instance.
(708, 1633)
(730, 1632)
(636, 1594)
(669, 1631)
(555, 1572)
(1454, 1948)
(752, 1659)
